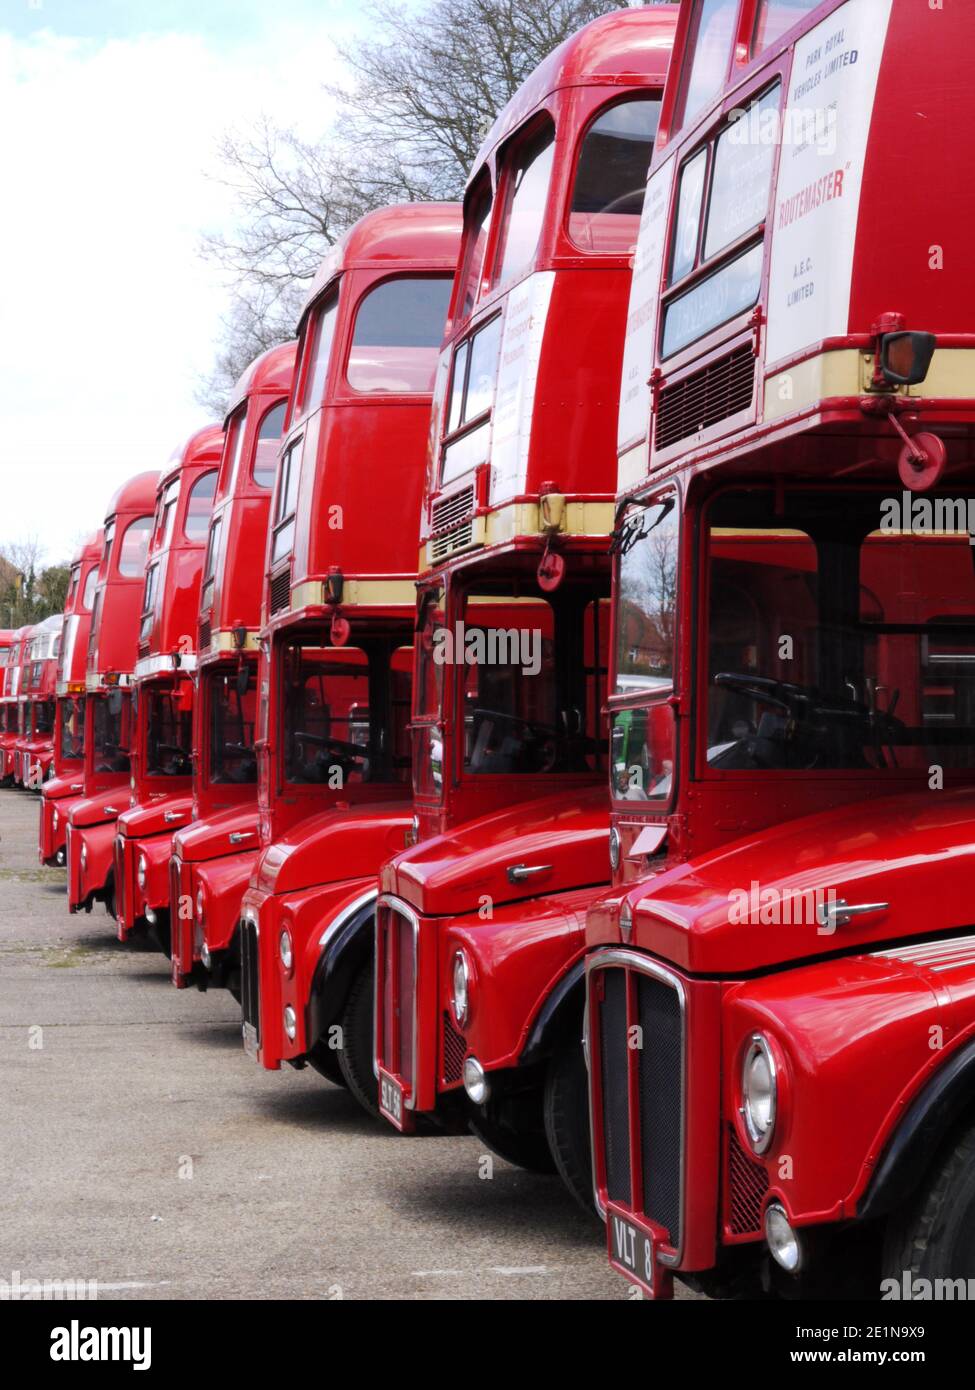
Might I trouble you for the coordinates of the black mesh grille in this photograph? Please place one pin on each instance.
(747, 1186)
(281, 590)
(660, 1068)
(250, 1003)
(120, 884)
(704, 398)
(616, 1120)
(454, 1048)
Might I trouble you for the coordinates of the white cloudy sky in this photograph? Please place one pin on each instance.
(111, 111)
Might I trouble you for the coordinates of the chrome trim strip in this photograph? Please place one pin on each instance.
(634, 960)
(404, 909)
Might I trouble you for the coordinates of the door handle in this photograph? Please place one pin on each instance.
(112, 811)
(173, 815)
(519, 873)
(840, 913)
(237, 835)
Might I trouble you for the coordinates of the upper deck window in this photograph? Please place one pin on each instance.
(475, 372)
(199, 506)
(475, 244)
(88, 596)
(529, 167)
(287, 502)
(399, 327)
(135, 547)
(235, 443)
(723, 196)
(611, 177)
(707, 56)
(107, 546)
(148, 602)
(166, 515)
(210, 564)
(72, 589)
(318, 350)
(268, 439)
(774, 18)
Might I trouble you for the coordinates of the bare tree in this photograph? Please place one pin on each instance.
(29, 591)
(412, 115)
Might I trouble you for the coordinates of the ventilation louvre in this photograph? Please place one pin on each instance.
(716, 392)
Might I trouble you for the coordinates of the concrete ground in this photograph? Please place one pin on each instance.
(141, 1148)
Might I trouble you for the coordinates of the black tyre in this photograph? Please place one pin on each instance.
(355, 1054)
(934, 1237)
(567, 1121)
(525, 1149)
(325, 1061)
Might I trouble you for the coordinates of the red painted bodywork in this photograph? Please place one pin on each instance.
(849, 1011)
(14, 646)
(161, 796)
(67, 780)
(111, 657)
(33, 753)
(225, 812)
(523, 950)
(363, 452)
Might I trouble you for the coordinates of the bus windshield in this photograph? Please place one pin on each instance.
(841, 634)
(233, 707)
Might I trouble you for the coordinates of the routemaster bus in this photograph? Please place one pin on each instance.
(223, 830)
(480, 927)
(67, 780)
(341, 595)
(34, 751)
(163, 682)
(781, 981)
(10, 657)
(112, 650)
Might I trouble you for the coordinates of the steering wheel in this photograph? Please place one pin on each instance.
(533, 735)
(809, 706)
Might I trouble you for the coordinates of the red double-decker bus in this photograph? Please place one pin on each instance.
(161, 777)
(479, 989)
(780, 1020)
(222, 837)
(67, 779)
(11, 657)
(335, 679)
(34, 751)
(112, 650)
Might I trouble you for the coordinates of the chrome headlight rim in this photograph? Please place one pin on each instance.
(614, 848)
(759, 1138)
(460, 997)
(142, 872)
(286, 951)
(200, 905)
(290, 1019)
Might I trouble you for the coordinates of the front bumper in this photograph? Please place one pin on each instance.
(88, 881)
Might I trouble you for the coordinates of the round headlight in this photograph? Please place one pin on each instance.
(414, 837)
(142, 872)
(614, 848)
(286, 949)
(461, 988)
(475, 1081)
(758, 1092)
(200, 905)
(290, 1022)
(55, 821)
(84, 854)
(783, 1243)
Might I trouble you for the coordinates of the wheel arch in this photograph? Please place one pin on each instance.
(349, 941)
(561, 1009)
(913, 1147)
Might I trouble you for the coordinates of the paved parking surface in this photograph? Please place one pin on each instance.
(141, 1148)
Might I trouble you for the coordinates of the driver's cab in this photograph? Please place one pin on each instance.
(511, 682)
(781, 647)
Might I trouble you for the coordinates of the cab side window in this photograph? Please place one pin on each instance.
(611, 177)
(528, 169)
